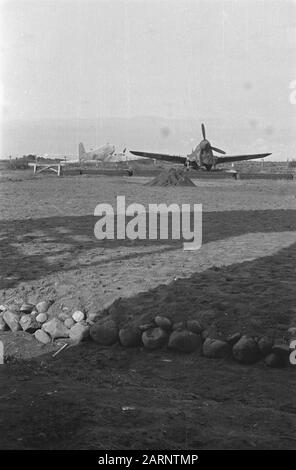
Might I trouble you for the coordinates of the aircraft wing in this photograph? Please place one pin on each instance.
(160, 156)
(238, 158)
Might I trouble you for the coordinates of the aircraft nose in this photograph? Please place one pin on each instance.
(205, 145)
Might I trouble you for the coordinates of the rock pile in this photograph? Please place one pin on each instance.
(36, 320)
(173, 177)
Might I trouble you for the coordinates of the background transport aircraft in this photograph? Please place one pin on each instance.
(105, 153)
(202, 157)
(100, 154)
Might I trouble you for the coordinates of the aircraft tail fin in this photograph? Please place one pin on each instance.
(82, 151)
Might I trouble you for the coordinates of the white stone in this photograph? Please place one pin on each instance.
(41, 318)
(43, 306)
(42, 337)
(12, 320)
(55, 328)
(78, 316)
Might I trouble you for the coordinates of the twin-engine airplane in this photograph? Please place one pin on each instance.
(105, 153)
(202, 157)
(101, 154)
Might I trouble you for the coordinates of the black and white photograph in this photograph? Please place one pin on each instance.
(147, 230)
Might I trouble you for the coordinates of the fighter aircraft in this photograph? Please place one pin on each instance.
(202, 157)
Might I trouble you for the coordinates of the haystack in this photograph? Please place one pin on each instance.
(172, 177)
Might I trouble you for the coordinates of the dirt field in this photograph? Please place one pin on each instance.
(244, 275)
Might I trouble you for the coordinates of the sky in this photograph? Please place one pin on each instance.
(229, 63)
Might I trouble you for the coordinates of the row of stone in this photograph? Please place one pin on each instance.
(187, 336)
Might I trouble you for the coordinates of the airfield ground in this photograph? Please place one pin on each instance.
(244, 274)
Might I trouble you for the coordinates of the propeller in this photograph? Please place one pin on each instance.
(218, 150)
(213, 148)
(203, 130)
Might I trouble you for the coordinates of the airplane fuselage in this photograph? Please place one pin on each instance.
(202, 156)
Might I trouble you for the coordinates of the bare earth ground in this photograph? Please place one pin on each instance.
(242, 279)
